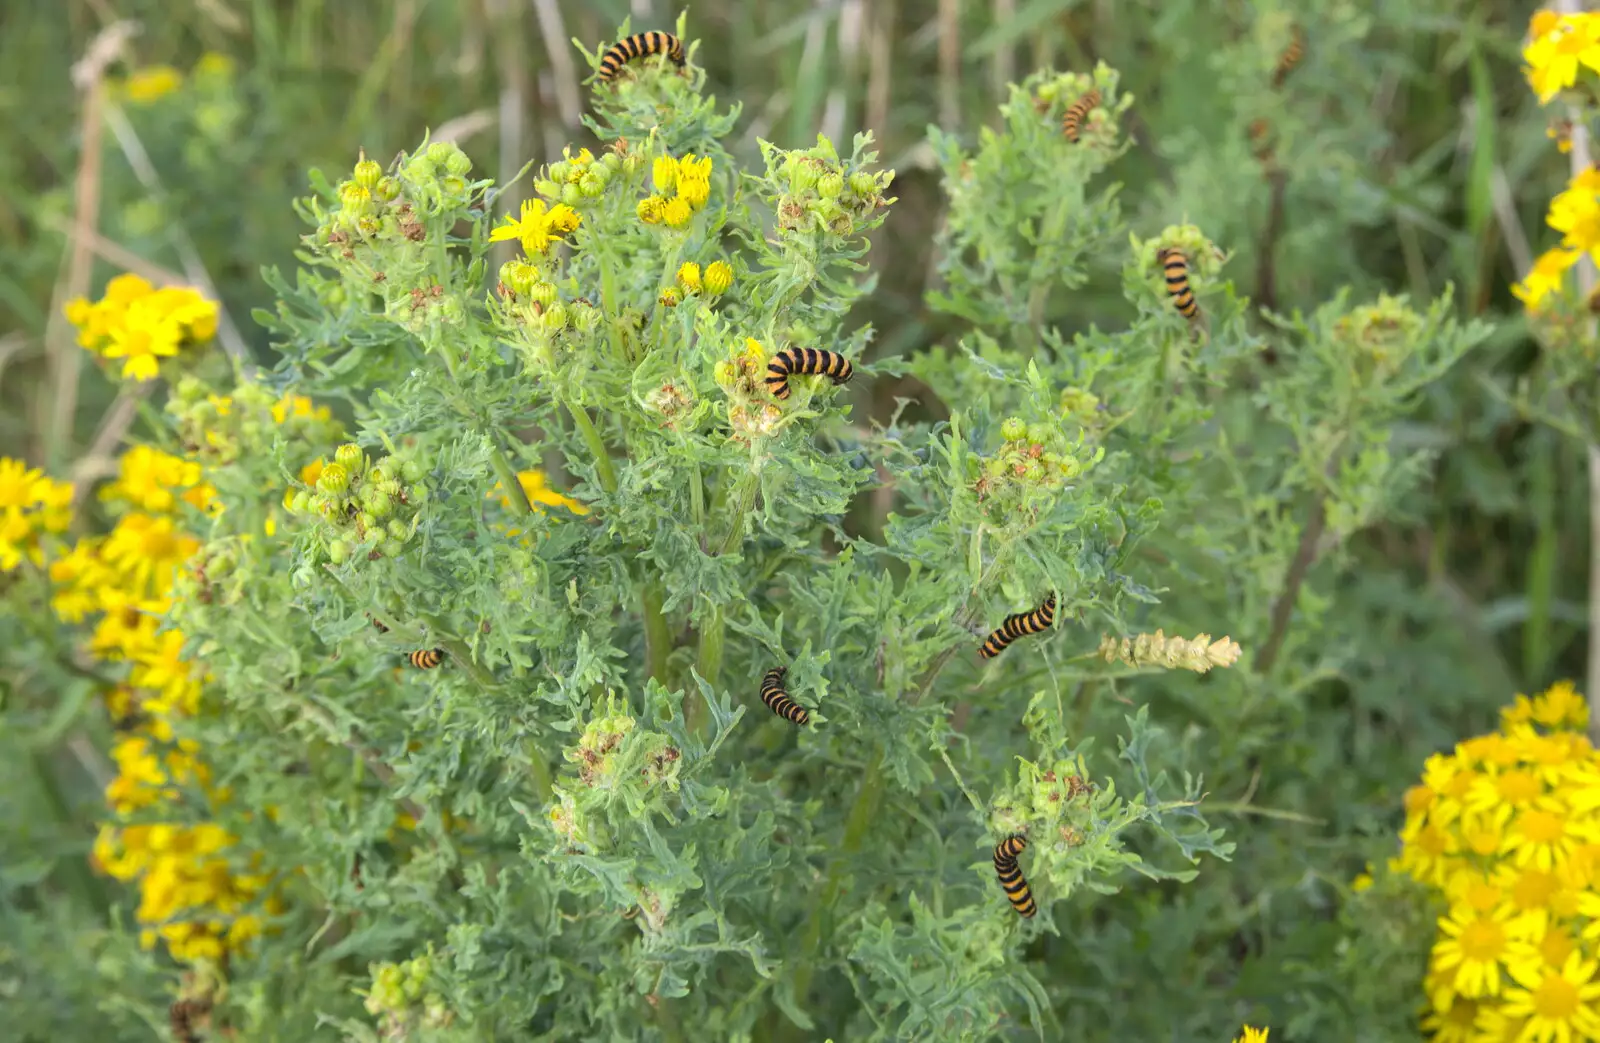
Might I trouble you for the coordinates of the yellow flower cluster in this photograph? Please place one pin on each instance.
(689, 182)
(1174, 653)
(1507, 829)
(1253, 1035)
(142, 325)
(30, 504)
(538, 226)
(149, 83)
(1559, 47)
(189, 896)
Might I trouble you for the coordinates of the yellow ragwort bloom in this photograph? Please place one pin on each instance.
(537, 226)
(153, 81)
(1554, 56)
(1547, 276)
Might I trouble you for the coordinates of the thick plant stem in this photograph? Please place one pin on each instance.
(597, 446)
(862, 812)
(1283, 608)
(657, 642)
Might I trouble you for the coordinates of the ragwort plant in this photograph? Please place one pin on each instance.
(568, 479)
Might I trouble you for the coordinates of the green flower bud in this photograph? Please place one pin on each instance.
(558, 170)
(601, 171)
(367, 174)
(585, 318)
(334, 480)
(1014, 429)
(458, 163)
(440, 153)
(350, 457)
(399, 530)
(830, 185)
(804, 176)
(366, 523)
(387, 189)
(418, 168)
(571, 195)
(452, 185)
(542, 294)
(190, 390)
(863, 184)
(299, 501)
(725, 373)
(518, 277)
(391, 548)
(611, 161)
(592, 186)
(354, 199)
(417, 495)
(631, 164)
(377, 501)
(411, 469)
(555, 318)
(380, 473)
(1033, 470)
(338, 551)
(1040, 432)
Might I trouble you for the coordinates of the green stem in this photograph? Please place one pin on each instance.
(856, 826)
(608, 303)
(657, 641)
(540, 771)
(497, 459)
(597, 446)
(1040, 294)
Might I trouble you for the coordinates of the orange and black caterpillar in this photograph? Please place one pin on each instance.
(805, 360)
(1073, 120)
(637, 45)
(1005, 867)
(1175, 267)
(1017, 625)
(381, 628)
(426, 658)
(778, 700)
(1290, 57)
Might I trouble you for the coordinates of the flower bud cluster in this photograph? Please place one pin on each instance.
(713, 281)
(751, 411)
(400, 998)
(1030, 456)
(1054, 95)
(1381, 334)
(578, 180)
(825, 195)
(219, 429)
(374, 206)
(366, 508)
(682, 188)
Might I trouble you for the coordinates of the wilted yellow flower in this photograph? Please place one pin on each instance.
(649, 209)
(1175, 653)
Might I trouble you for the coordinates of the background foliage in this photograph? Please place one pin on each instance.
(1444, 579)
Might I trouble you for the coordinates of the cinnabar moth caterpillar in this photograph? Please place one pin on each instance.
(637, 45)
(1010, 874)
(426, 658)
(830, 364)
(778, 700)
(1175, 267)
(1017, 625)
(1073, 120)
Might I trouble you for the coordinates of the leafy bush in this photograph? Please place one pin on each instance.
(560, 464)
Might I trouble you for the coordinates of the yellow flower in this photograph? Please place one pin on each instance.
(147, 477)
(1560, 706)
(664, 173)
(676, 212)
(691, 168)
(649, 209)
(694, 192)
(718, 277)
(1253, 1035)
(1546, 277)
(75, 580)
(689, 277)
(537, 227)
(1474, 948)
(1453, 1024)
(1554, 57)
(145, 337)
(1543, 836)
(19, 483)
(152, 82)
(1558, 1003)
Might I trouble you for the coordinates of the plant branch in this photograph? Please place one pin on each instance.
(1283, 608)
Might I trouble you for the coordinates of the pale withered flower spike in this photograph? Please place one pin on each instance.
(1199, 654)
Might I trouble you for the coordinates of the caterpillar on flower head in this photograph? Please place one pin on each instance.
(1073, 120)
(1175, 267)
(639, 45)
(426, 658)
(1010, 874)
(830, 364)
(778, 701)
(1017, 625)
(1290, 57)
